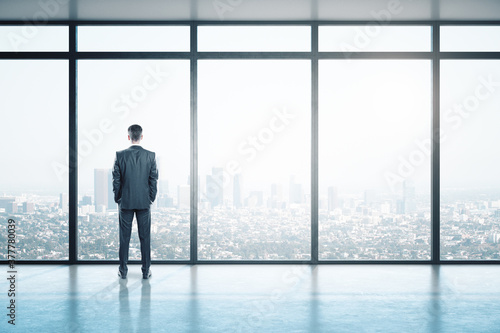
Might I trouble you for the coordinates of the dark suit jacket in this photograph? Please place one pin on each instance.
(135, 175)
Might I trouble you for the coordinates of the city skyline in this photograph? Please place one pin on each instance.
(365, 227)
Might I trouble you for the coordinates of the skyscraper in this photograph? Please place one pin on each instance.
(276, 198)
(63, 202)
(86, 200)
(6, 201)
(101, 188)
(163, 187)
(333, 198)
(12, 208)
(28, 207)
(237, 190)
(111, 196)
(214, 190)
(295, 191)
(409, 198)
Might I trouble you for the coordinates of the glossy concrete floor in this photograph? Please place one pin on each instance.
(256, 298)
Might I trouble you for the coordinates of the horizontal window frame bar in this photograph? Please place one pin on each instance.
(65, 55)
(132, 55)
(376, 55)
(480, 55)
(246, 22)
(259, 262)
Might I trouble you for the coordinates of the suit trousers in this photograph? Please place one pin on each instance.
(143, 217)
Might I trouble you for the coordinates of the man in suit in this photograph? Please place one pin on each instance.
(135, 176)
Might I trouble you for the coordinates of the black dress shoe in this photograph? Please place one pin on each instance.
(147, 276)
(123, 276)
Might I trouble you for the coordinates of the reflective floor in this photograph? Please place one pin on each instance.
(256, 298)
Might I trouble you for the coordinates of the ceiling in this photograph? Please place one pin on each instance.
(240, 10)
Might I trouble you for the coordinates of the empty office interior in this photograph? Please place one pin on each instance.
(323, 165)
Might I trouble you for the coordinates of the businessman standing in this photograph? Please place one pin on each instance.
(135, 176)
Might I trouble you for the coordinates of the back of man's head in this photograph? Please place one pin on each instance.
(135, 132)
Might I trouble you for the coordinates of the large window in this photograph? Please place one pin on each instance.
(30, 38)
(133, 38)
(34, 168)
(374, 163)
(112, 95)
(298, 141)
(254, 38)
(374, 38)
(254, 160)
(470, 162)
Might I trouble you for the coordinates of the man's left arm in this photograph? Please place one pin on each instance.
(117, 180)
(153, 180)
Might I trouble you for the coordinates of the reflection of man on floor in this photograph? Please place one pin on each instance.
(134, 184)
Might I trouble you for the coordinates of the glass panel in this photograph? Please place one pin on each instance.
(34, 168)
(112, 95)
(470, 162)
(374, 159)
(470, 38)
(372, 38)
(254, 159)
(33, 38)
(254, 38)
(133, 38)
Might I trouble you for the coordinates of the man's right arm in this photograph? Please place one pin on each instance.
(153, 179)
(117, 180)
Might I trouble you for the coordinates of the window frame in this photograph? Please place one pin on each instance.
(435, 56)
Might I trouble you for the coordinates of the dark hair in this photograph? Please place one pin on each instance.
(135, 132)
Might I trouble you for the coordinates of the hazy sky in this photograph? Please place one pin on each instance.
(372, 113)
(255, 113)
(34, 117)
(154, 94)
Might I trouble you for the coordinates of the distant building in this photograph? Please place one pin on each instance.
(385, 208)
(295, 192)
(276, 199)
(494, 238)
(163, 187)
(409, 198)
(100, 208)
(111, 195)
(100, 188)
(86, 209)
(237, 190)
(12, 208)
(277, 192)
(214, 187)
(400, 207)
(28, 207)
(165, 201)
(333, 198)
(63, 202)
(6, 202)
(86, 200)
(103, 189)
